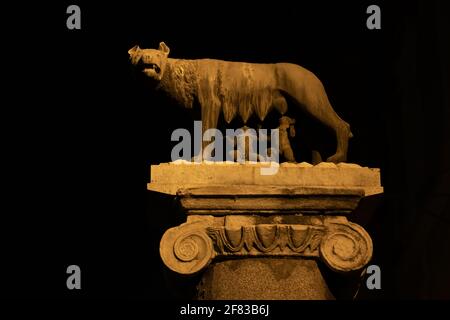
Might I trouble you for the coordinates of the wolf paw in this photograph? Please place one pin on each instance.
(337, 157)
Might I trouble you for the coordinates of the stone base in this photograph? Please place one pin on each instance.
(170, 177)
(264, 279)
(256, 237)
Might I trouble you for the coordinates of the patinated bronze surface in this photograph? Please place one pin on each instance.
(240, 89)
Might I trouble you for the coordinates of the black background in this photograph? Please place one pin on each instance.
(80, 133)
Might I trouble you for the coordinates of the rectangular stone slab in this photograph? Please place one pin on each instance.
(219, 200)
(168, 178)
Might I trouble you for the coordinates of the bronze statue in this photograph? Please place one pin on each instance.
(238, 88)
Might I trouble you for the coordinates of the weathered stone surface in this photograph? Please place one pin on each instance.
(189, 248)
(169, 177)
(264, 279)
(274, 231)
(227, 200)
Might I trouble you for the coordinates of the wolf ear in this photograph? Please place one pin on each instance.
(135, 54)
(134, 50)
(164, 48)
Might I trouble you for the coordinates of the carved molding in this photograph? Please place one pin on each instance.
(342, 246)
(187, 249)
(227, 200)
(267, 239)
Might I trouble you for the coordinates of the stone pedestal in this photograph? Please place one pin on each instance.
(259, 236)
(264, 279)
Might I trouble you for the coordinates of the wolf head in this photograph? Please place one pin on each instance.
(152, 62)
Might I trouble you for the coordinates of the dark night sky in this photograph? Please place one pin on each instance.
(88, 133)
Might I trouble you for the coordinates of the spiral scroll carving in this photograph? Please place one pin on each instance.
(346, 247)
(342, 246)
(186, 249)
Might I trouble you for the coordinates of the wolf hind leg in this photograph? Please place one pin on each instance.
(327, 116)
(343, 133)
